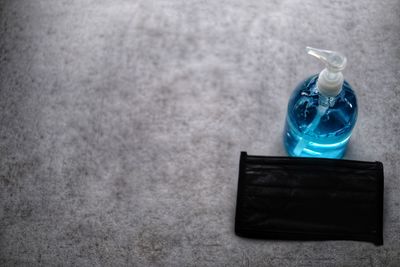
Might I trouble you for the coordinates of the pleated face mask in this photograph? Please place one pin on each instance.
(309, 199)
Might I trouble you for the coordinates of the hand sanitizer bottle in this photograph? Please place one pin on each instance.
(322, 111)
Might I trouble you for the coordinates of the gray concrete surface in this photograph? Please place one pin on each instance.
(122, 124)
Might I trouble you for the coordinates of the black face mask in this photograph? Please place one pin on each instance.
(309, 199)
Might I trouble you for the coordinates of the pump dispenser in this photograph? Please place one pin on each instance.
(322, 111)
(330, 79)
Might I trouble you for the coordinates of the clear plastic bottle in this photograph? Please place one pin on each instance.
(322, 111)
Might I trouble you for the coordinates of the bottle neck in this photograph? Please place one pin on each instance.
(326, 101)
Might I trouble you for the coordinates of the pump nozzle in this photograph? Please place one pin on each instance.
(334, 61)
(330, 80)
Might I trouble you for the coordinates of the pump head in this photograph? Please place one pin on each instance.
(330, 79)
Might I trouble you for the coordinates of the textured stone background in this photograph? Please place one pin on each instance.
(122, 124)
